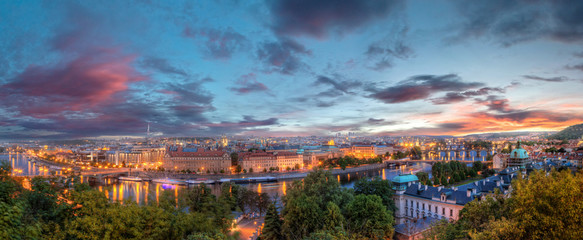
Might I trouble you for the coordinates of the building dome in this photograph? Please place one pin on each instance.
(404, 178)
(519, 153)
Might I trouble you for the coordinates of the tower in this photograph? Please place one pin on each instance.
(148, 135)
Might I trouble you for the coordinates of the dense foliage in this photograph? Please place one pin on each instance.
(350, 161)
(318, 208)
(478, 144)
(414, 153)
(540, 207)
(64, 208)
(447, 173)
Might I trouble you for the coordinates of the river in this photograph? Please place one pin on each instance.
(144, 192)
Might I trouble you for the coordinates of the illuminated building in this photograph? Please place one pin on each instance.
(224, 141)
(136, 155)
(367, 151)
(266, 160)
(196, 159)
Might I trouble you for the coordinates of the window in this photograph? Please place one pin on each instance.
(451, 212)
(443, 211)
(406, 204)
(417, 205)
(424, 206)
(435, 209)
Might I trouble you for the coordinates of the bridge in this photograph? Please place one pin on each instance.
(408, 160)
(99, 174)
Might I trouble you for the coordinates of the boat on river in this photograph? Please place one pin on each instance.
(129, 178)
(253, 180)
(168, 181)
(199, 181)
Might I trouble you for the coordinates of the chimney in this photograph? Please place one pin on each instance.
(419, 186)
(502, 180)
(469, 192)
(474, 191)
(425, 187)
(439, 188)
(497, 183)
(476, 183)
(409, 184)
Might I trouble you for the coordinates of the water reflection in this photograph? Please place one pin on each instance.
(140, 191)
(21, 166)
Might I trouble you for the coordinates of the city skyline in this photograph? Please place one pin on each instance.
(288, 68)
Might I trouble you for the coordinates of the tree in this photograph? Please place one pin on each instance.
(422, 176)
(199, 198)
(333, 218)
(262, 202)
(444, 180)
(443, 230)
(476, 214)
(272, 229)
(533, 197)
(234, 159)
(366, 216)
(429, 183)
(303, 216)
(379, 187)
(477, 166)
(307, 200)
(238, 169)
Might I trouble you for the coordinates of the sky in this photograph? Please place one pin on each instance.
(77, 69)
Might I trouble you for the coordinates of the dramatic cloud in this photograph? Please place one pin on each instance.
(189, 92)
(421, 87)
(319, 18)
(282, 56)
(89, 81)
(575, 67)
(553, 79)
(393, 46)
(248, 123)
(248, 83)
(495, 103)
(344, 86)
(516, 21)
(218, 44)
(453, 97)
(162, 65)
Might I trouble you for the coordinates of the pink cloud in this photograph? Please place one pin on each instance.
(93, 79)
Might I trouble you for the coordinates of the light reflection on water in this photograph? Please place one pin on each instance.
(142, 192)
(22, 167)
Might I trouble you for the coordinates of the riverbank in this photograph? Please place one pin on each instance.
(278, 175)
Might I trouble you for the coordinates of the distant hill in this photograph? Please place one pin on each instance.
(572, 132)
(506, 134)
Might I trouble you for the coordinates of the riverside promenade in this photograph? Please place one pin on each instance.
(279, 175)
